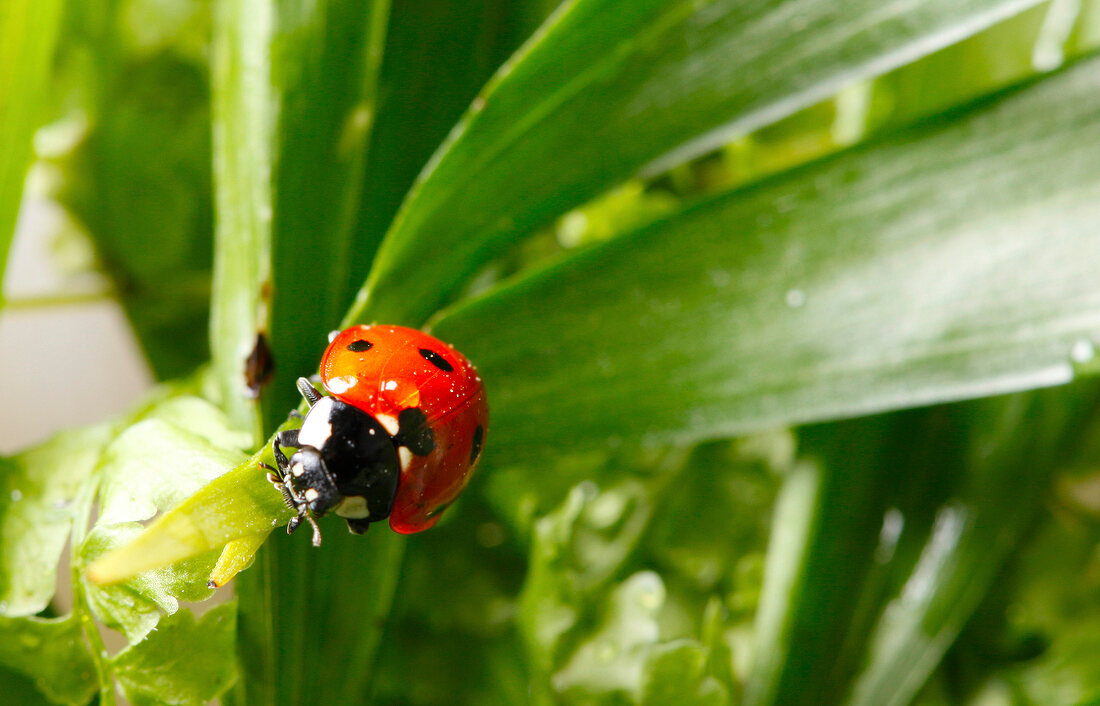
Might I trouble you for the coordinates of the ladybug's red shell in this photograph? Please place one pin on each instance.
(384, 370)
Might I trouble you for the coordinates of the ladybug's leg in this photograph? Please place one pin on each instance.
(282, 480)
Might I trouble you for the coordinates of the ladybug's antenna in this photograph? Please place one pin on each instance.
(308, 391)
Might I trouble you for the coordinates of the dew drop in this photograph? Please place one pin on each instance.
(16, 495)
(795, 298)
(1082, 351)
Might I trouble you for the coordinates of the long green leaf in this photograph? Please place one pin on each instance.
(953, 261)
(612, 87)
(430, 72)
(28, 33)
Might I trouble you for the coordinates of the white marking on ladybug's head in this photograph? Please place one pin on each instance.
(404, 456)
(317, 428)
(389, 422)
(332, 335)
(297, 469)
(340, 385)
(353, 507)
(311, 494)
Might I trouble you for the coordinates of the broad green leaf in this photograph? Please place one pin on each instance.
(438, 55)
(237, 504)
(51, 652)
(184, 662)
(951, 261)
(608, 88)
(38, 490)
(28, 33)
(21, 690)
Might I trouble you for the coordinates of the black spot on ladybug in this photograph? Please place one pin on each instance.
(413, 431)
(259, 366)
(436, 360)
(360, 346)
(475, 450)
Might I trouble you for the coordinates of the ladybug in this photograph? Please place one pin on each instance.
(398, 435)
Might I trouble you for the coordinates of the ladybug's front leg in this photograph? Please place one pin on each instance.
(282, 482)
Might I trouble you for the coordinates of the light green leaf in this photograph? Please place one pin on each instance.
(53, 654)
(28, 33)
(38, 489)
(614, 656)
(149, 469)
(676, 673)
(577, 548)
(184, 662)
(951, 261)
(611, 87)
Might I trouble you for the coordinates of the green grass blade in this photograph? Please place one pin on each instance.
(294, 91)
(244, 119)
(1016, 445)
(611, 87)
(28, 34)
(885, 579)
(955, 260)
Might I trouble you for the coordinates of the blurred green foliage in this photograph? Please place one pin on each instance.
(763, 294)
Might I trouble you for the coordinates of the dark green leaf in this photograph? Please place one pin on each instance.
(38, 490)
(611, 87)
(28, 32)
(184, 662)
(53, 654)
(438, 54)
(820, 556)
(1014, 445)
(952, 261)
(880, 553)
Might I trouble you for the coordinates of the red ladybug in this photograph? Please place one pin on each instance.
(399, 436)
